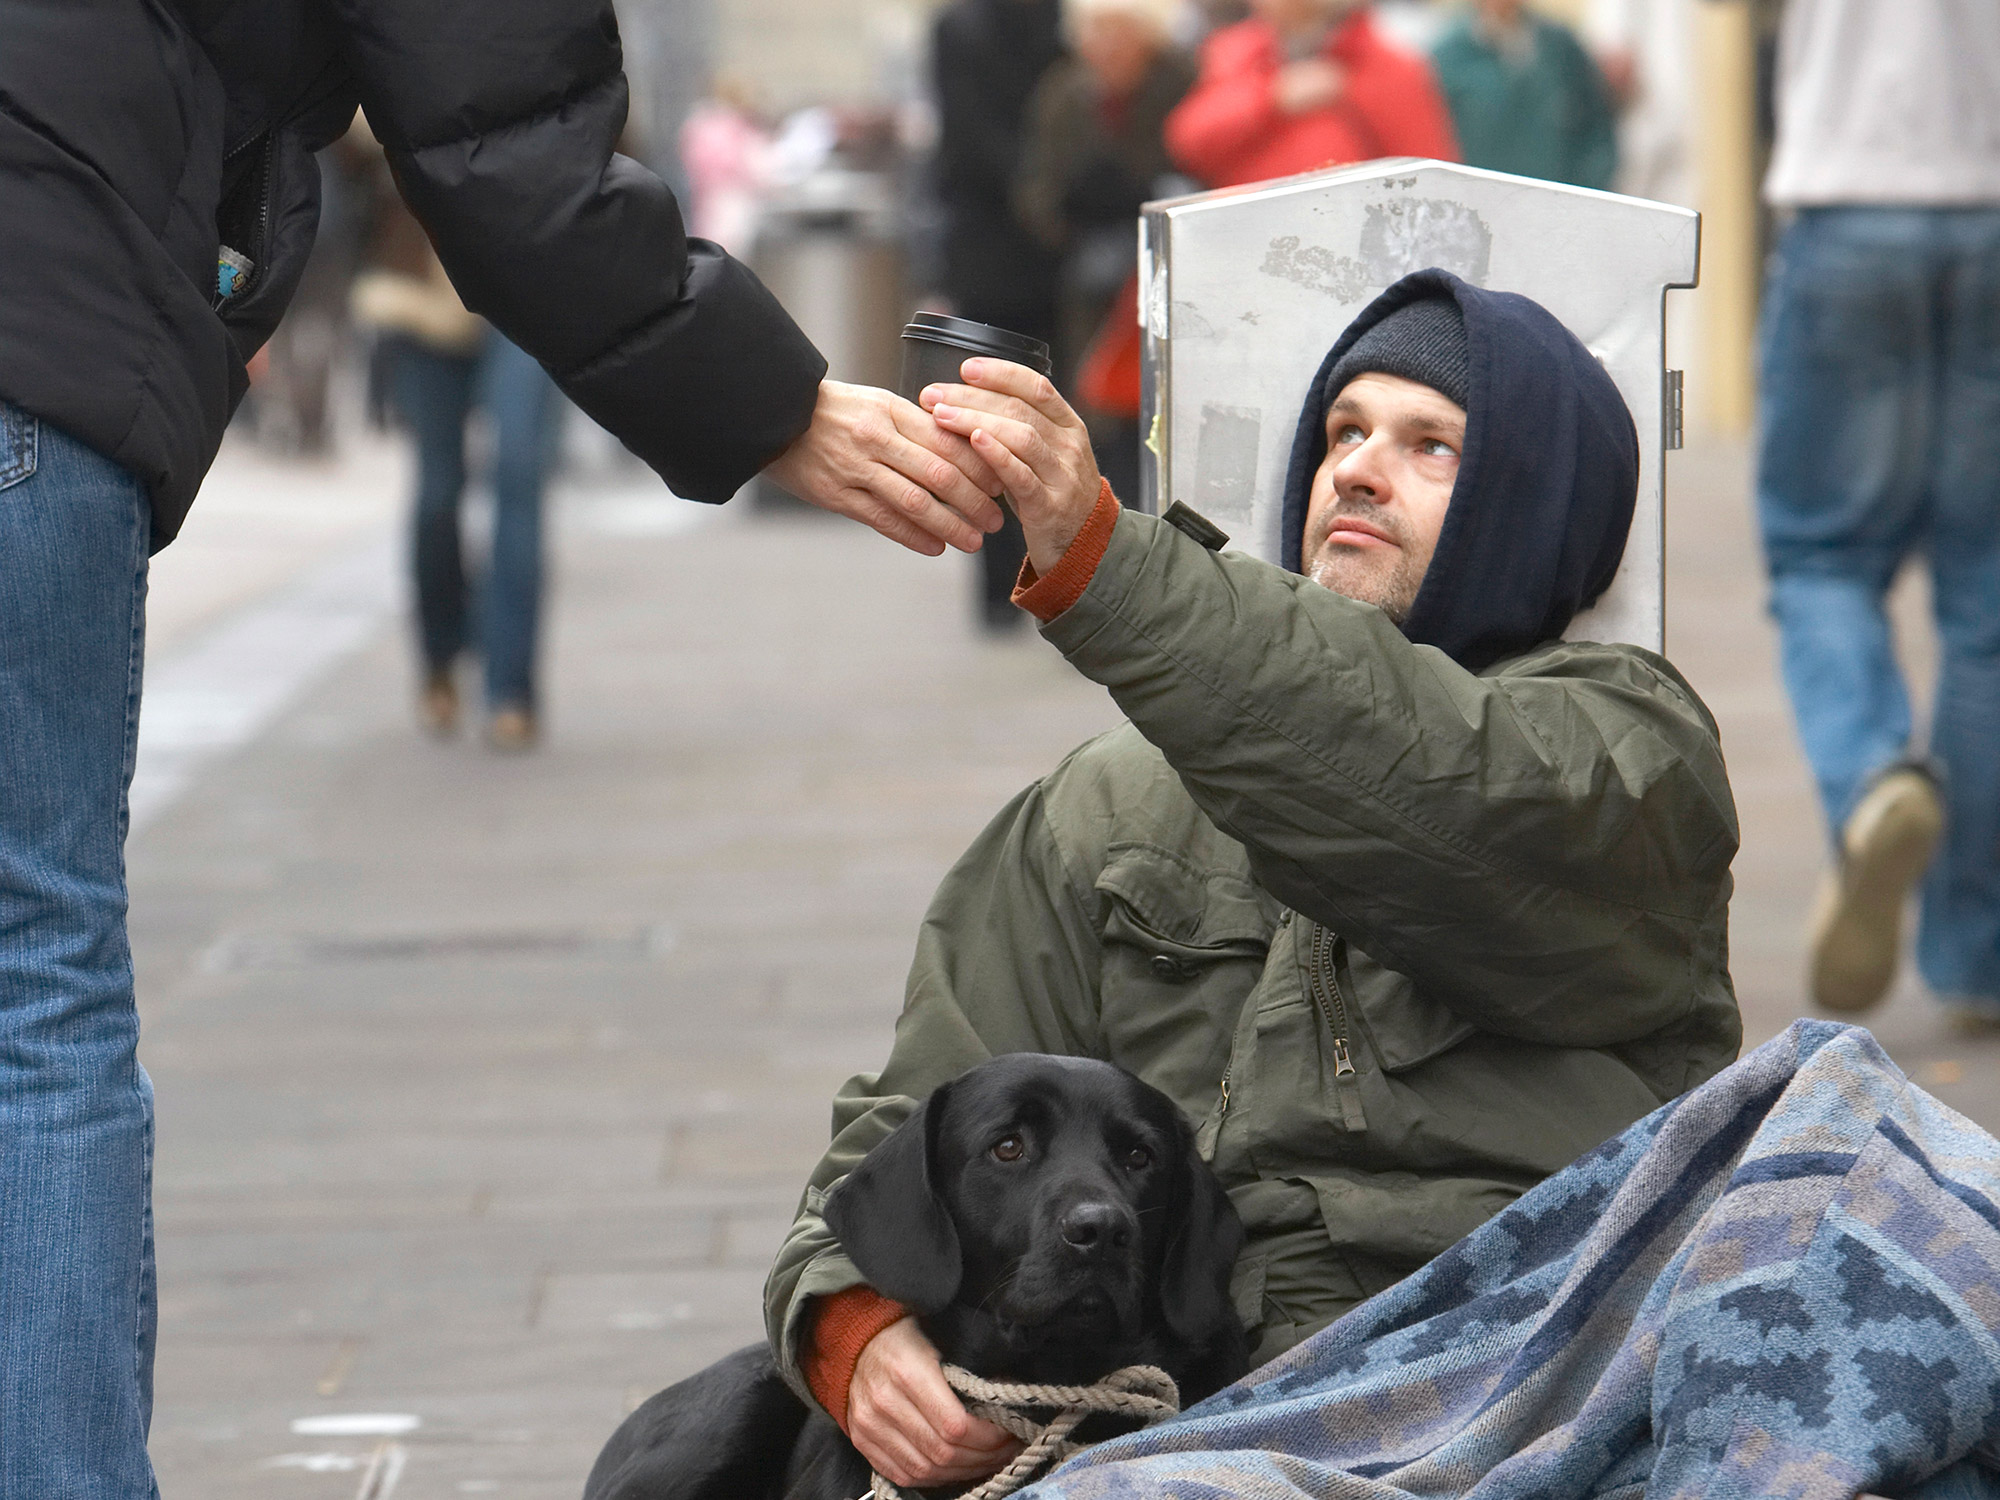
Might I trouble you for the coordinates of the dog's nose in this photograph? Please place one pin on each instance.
(1096, 1227)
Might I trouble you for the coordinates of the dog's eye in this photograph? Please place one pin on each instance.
(1008, 1148)
(1138, 1159)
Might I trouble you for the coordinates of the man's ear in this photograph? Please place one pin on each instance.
(891, 1221)
(1194, 1273)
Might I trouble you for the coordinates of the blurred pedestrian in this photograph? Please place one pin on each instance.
(986, 58)
(441, 364)
(1880, 440)
(1645, 51)
(1304, 84)
(294, 406)
(1525, 97)
(726, 150)
(156, 162)
(1096, 152)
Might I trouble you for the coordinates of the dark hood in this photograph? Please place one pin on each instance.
(1546, 483)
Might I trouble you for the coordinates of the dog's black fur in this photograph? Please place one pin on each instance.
(1103, 1241)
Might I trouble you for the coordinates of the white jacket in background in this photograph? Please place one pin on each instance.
(1887, 101)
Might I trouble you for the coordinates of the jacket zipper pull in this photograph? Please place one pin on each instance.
(1333, 1010)
(1343, 1065)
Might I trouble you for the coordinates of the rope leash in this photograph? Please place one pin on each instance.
(1142, 1391)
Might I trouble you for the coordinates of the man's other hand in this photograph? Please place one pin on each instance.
(1019, 424)
(909, 1424)
(871, 455)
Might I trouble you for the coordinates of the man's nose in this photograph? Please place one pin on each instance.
(1096, 1228)
(1359, 475)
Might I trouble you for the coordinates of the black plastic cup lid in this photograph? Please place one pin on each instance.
(980, 338)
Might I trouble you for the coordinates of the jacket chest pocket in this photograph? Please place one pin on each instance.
(1183, 946)
(1294, 1099)
(1403, 1026)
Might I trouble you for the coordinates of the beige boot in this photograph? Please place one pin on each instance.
(437, 704)
(512, 728)
(1857, 923)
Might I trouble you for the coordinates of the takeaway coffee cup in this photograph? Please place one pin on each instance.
(934, 346)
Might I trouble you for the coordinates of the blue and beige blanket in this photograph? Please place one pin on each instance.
(1784, 1283)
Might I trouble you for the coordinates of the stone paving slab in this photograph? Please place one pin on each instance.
(487, 1085)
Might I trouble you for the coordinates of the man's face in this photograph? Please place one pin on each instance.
(1379, 498)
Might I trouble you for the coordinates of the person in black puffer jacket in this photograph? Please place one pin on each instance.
(160, 197)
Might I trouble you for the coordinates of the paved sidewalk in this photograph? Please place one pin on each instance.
(486, 1085)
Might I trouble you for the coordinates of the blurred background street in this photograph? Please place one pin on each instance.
(491, 1052)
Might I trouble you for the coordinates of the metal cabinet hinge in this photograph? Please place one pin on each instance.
(1671, 408)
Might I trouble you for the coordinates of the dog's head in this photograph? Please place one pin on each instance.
(1051, 1219)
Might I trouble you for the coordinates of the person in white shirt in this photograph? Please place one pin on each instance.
(1880, 440)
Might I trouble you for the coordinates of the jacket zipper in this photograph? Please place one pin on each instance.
(267, 157)
(1325, 990)
(1326, 995)
(1332, 1007)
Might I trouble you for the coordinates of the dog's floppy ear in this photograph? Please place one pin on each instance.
(1194, 1275)
(891, 1221)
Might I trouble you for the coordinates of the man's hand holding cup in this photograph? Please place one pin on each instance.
(1032, 440)
(872, 456)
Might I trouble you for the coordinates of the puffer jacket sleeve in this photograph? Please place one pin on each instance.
(500, 120)
(1545, 848)
(1007, 961)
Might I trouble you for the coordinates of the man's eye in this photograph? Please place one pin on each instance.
(1009, 1148)
(1138, 1159)
(1438, 446)
(1349, 434)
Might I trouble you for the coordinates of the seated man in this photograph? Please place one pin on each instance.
(1405, 900)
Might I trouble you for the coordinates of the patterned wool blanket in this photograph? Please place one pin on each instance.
(1785, 1283)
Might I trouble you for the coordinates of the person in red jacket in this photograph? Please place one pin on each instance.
(1304, 84)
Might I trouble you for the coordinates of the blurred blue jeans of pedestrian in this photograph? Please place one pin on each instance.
(76, 1110)
(435, 393)
(1880, 439)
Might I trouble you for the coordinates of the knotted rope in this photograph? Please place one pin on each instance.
(1142, 1391)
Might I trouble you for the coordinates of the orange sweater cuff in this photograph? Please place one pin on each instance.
(1045, 598)
(842, 1326)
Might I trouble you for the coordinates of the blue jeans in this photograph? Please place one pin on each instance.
(1880, 437)
(435, 393)
(76, 1110)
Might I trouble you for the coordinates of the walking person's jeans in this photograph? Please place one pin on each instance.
(1880, 437)
(435, 393)
(76, 1114)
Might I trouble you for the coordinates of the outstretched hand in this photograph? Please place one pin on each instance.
(909, 1424)
(1031, 438)
(872, 456)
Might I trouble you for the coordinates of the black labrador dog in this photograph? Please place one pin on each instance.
(1047, 1218)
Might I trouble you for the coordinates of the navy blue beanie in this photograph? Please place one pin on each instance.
(1546, 484)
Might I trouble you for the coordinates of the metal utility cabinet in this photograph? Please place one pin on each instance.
(1242, 291)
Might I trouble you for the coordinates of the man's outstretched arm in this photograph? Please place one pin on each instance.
(1545, 848)
(500, 121)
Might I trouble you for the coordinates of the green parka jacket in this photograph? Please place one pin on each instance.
(1402, 939)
